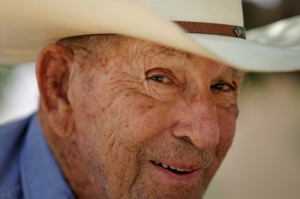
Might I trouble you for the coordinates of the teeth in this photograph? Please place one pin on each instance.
(164, 165)
(173, 168)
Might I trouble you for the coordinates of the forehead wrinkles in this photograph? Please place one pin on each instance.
(152, 50)
(156, 50)
(95, 49)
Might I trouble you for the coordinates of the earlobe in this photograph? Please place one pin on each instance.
(53, 69)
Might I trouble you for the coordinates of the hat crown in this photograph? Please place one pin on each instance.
(27, 26)
(228, 12)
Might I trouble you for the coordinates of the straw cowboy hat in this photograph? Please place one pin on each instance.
(210, 28)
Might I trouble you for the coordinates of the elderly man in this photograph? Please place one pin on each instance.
(131, 106)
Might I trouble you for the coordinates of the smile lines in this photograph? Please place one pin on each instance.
(171, 167)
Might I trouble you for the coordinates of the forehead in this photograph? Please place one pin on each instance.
(113, 46)
(170, 53)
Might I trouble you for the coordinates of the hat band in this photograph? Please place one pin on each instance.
(212, 28)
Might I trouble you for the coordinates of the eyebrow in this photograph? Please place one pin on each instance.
(239, 74)
(171, 52)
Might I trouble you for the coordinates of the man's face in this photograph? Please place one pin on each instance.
(152, 122)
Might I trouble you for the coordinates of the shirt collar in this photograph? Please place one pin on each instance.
(40, 174)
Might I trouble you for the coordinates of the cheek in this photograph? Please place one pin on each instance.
(134, 121)
(226, 101)
(227, 122)
(114, 129)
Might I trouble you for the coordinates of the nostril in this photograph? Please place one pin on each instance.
(186, 138)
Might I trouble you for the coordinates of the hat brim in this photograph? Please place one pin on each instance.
(46, 22)
(28, 26)
(249, 55)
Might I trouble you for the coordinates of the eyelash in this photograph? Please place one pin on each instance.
(158, 78)
(230, 87)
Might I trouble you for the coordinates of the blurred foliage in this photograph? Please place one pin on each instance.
(253, 78)
(5, 76)
(4, 73)
(259, 79)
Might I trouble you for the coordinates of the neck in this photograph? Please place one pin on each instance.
(82, 181)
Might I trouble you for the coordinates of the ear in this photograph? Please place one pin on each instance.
(53, 69)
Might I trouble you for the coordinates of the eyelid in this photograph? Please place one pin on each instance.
(163, 72)
(156, 78)
(232, 86)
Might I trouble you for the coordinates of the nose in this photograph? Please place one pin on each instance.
(198, 121)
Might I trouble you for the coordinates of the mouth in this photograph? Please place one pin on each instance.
(173, 169)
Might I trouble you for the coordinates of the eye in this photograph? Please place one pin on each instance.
(224, 87)
(161, 79)
(161, 76)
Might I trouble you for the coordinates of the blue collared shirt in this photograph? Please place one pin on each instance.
(28, 169)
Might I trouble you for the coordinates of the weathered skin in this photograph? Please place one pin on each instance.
(109, 119)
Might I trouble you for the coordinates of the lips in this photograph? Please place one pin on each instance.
(172, 168)
(175, 172)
